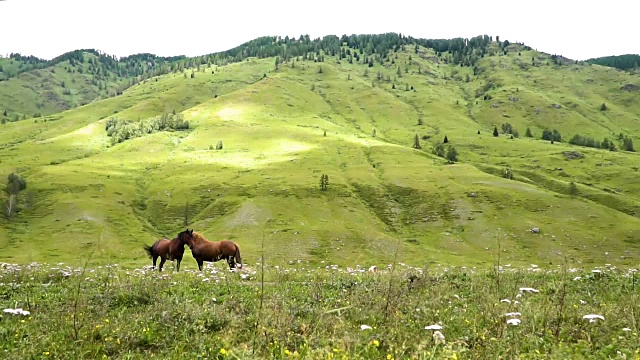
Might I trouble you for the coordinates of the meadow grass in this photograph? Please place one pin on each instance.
(281, 309)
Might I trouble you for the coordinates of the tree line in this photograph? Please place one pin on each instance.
(461, 51)
(120, 130)
(100, 63)
(622, 62)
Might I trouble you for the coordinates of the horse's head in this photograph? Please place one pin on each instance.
(186, 237)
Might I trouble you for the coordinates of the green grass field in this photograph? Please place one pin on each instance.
(281, 132)
(282, 310)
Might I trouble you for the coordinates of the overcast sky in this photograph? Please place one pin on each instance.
(48, 28)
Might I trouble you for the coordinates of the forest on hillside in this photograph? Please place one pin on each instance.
(130, 66)
(369, 49)
(107, 75)
(622, 62)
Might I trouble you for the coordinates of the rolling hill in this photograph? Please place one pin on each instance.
(287, 111)
(32, 87)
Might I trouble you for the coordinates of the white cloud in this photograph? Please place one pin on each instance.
(47, 28)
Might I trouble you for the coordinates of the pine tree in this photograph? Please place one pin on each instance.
(416, 142)
(452, 154)
(573, 189)
(495, 131)
(324, 182)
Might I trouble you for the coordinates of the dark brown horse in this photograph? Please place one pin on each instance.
(166, 250)
(211, 251)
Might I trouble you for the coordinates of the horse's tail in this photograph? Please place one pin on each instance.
(237, 257)
(149, 249)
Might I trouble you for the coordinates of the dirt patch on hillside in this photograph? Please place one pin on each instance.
(570, 155)
(630, 87)
(510, 185)
(248, 214)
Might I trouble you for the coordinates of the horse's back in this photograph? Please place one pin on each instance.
(161, 246)
(227, 246)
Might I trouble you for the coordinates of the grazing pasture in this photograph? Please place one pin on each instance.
(293, 309)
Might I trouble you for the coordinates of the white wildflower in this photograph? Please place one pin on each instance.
(17, 311)
(512, 314)
(593, 317)
(505, 301)
(365, 327)
(626, 329)
(433, 327)
(438, 337)
(514, 322)
(528, 289)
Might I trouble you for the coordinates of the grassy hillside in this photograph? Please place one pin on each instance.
(32, 87)
(355, 122)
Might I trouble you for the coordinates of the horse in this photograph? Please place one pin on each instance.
(211, 251)
(167, 250)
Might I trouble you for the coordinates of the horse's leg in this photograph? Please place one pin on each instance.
(232, 263)
(162, 260)
(199, 264)
(155, 258)
(178, 264)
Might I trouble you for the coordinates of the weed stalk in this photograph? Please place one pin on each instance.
(257, 323)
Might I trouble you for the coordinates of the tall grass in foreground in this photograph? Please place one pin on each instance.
(317, 313)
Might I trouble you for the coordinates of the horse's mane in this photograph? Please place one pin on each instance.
(197, 237)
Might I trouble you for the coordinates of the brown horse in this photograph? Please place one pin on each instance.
(166, 250)
(211, 251)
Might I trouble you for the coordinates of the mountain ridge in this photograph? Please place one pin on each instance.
(111, 75)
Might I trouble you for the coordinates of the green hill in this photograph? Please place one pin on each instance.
(32, 87)
(105, 177)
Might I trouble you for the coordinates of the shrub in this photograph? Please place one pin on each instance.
(121, 129)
